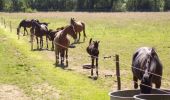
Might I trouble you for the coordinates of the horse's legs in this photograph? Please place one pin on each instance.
(158, 84)
(52, 46)
(62, 56)
(79, 37)
(135, 79)
(37, 42)
(92, 66)
(41, 42)
(47, 41)
(97, 67)
(67, 57)
(26, 30)
(56, 55)
(32, 39)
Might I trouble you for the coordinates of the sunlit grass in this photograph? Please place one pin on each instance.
(118, 33)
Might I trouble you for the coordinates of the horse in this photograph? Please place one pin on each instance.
(79, 26)
(52, 34)
(39, 30)
(62, 42)
(93, 51)
(25, 23)
(146, 67)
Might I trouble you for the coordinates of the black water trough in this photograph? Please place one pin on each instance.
(129, 94)
(152, 97)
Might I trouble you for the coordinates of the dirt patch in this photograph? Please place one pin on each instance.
(45, 92)
(11, 92)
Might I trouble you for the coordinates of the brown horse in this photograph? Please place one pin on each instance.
(93, 51)
(62, 42)
(25, 23)
(79, 26)
(39, 30)
(146, 67)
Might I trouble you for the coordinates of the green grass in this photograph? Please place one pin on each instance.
(119, 33)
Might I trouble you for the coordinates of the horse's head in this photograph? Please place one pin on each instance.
(72, 21)
(73, 32)
(150, 65)
(146, 83)
(96, 44)
(49, 34)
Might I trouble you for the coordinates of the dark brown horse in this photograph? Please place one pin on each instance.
(25, 23)
(93, 51)
(39, 30)
(79, 26)
(146, 67)
(62, 42)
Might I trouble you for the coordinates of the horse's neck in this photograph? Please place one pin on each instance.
(37, 25)
(64, 32)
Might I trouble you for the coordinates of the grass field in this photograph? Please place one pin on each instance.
(119, 33)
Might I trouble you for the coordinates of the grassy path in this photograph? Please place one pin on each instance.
(28, 70)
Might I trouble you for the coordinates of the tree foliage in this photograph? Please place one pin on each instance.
(84, 5)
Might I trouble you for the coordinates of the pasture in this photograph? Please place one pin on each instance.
(118, 33)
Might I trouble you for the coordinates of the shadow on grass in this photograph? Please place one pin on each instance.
(93, 77)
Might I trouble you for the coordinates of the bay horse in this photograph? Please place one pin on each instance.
(79, 26)
(39, 30)
(62, 42)
(146, 67)
(93, 51)
(25, 23)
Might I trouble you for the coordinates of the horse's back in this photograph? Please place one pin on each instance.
(60, 42)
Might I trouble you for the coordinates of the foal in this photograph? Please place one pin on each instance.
(93, 51)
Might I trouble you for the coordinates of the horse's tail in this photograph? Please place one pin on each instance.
(90, 41)
(84, 30)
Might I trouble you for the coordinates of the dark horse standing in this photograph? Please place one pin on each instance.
(25, 23)
(62, 42)
(39, 30)
(93, 51)
(146, 67)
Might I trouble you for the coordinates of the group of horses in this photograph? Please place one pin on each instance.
(146, 65)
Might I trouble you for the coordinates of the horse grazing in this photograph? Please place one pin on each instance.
(52, 34)
(25, 23)
(62, 42)
(39, 30)
(146, 67)
(79, 26)
(93, 51)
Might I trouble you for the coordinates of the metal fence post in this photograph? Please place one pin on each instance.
(118, 72)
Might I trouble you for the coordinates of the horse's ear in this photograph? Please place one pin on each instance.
(153, 51)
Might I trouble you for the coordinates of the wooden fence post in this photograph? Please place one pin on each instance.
(1, 20)
(4, 23)
(118, 72)
(10, 26)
